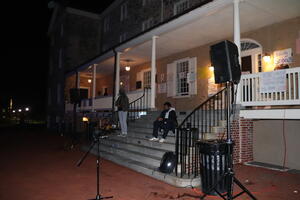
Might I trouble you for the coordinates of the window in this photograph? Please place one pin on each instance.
(182, 70)
(60, 58)
(147, 79)
(58, 94)
(106, 24)
(49, 96)
(181, 6)
(124, 11)
(147, 24)
(123, 37)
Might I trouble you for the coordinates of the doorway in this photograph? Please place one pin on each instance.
(251, 54)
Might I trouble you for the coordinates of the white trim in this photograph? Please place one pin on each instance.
(271, 114)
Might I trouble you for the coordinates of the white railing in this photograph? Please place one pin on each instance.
(105, 103)
(251, 95)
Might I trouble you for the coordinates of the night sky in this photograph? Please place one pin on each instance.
(24, 54)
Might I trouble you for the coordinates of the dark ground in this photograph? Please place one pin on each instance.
(34, 166)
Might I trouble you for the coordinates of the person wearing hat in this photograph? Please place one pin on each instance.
(166, 121)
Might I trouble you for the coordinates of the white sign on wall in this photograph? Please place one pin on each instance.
(161, 88)
(273, 81)
(283, 57)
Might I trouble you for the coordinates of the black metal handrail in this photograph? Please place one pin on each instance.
(194, 127)
(139, 105)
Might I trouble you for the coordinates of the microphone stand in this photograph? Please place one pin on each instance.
(96, 141)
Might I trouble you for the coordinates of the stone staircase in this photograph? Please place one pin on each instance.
(138, 153)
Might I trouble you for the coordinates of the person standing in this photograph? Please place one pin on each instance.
(122, 104)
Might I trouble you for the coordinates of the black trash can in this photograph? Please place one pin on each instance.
(213, 164)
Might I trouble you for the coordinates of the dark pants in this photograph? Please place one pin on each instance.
(165, 126)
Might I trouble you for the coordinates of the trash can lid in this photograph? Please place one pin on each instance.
(212, 146)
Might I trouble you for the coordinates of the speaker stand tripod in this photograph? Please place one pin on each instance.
(229, 174)
(96, 141)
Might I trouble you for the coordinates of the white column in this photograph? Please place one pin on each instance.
(94, 86)
(237, 38)
(117, 83)
(153, 72)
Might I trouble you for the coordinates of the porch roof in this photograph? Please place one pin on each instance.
(203, 25)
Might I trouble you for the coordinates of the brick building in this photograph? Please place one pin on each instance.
(165, 45)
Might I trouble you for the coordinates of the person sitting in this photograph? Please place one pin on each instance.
(166, 121)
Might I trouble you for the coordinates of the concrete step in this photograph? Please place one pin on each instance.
(170, 138)
(148, 170)
(115, 143)
(133, 155)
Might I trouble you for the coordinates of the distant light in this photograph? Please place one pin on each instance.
(211, 68)
(85, 119)
(121, 83)
(127, 68)
(14, 111)
(20, 110)
(267, 58)
(90, 80)
(26, 109)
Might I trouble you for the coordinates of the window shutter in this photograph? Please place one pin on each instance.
(171, 81)
(192, 76)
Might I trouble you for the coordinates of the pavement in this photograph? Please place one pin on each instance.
(35, 166)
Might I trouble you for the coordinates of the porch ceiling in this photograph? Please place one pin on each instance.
(218, 25)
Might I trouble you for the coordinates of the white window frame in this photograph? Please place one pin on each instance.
(124, 11)
(147, 24)
(182, 94)
(180, 3)
(106, 24)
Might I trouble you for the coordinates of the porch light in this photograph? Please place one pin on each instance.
(89, 80)
(20, 110)
(267, 58)
(211, 68)
(85, 119)
(127, 68)
(13, 111)
(27, 109)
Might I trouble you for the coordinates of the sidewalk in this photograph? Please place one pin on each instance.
(35, 167)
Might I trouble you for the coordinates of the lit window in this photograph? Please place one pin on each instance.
(181, 6)
(182, 69)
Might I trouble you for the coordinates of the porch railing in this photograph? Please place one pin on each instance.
(195, 126)
(251, 94)
(140, 105)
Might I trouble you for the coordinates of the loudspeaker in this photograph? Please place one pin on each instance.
(225, 60)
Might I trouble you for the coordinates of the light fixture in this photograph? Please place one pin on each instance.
(267, 58)
(20, 110)
(13, 111)
(121, 83)
(85, 119)
(27, 109)
(211, 68)
(127, 68)
(89, 80)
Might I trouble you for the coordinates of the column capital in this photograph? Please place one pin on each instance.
(155, 37)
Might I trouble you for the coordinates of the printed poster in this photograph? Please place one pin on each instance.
(273, 81)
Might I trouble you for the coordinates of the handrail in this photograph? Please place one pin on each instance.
(201, 105)
(199, 124)
(138, 105)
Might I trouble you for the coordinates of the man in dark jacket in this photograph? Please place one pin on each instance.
(123, 104)
(166, 121)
